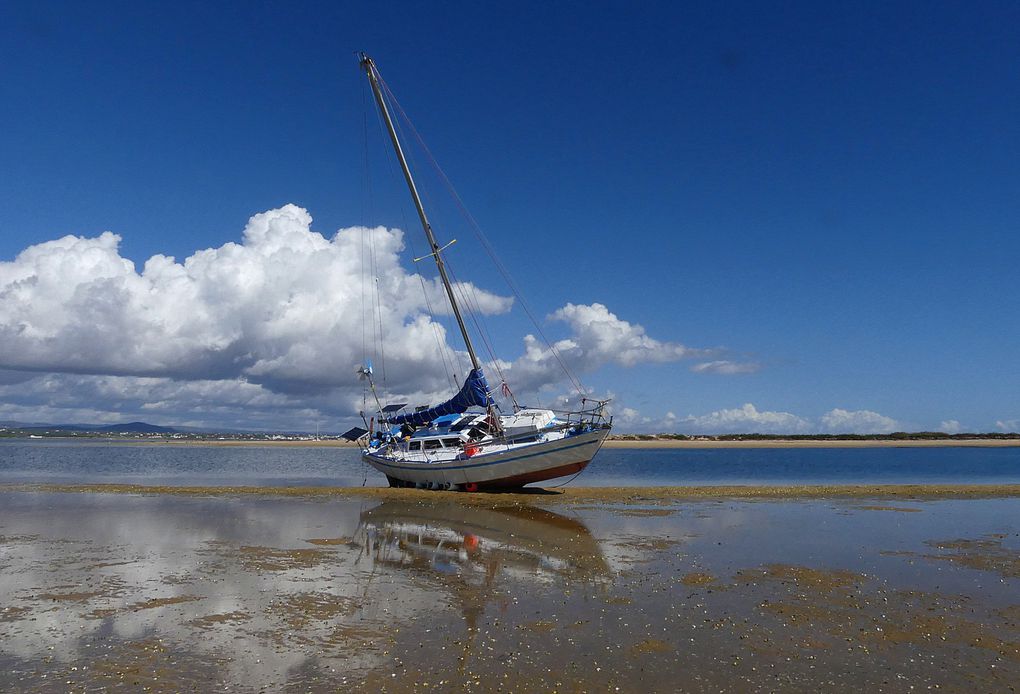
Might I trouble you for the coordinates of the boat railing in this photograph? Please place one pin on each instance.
(594, 416)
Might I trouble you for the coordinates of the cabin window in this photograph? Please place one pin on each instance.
(431, 444)
(414, 446)
(451, 443)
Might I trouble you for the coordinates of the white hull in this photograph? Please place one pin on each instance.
(511, 468)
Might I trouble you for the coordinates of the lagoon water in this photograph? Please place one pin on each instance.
(61, 461)
(182, 592)
(391, 591)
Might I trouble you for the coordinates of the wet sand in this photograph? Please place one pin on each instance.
(553, 495)
(807, 589)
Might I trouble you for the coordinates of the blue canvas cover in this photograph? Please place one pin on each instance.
(474, 392)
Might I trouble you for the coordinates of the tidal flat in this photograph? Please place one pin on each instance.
(369, 590)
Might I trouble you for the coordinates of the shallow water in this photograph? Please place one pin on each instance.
(248, 593)
(97, 461)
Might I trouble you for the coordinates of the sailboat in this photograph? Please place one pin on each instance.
(466, 443)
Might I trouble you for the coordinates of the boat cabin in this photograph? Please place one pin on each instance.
(459, 436)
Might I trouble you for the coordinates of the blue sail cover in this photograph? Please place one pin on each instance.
(474, 392)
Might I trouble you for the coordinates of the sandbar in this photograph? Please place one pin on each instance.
(543, 496)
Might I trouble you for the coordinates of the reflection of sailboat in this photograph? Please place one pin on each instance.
(446, 446)
(450, 538)
(480, 555)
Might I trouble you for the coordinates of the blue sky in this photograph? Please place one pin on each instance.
(825, 196)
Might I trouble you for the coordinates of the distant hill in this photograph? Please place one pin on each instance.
(139, 428)
(146, 428)
(129, 428)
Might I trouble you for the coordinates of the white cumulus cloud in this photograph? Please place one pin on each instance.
(284, 307)
(266, 332)
(749, 419)
(726, 367)
(949, 426)
(839, 421)
(598, 337)
(604, 338)
(746, 420)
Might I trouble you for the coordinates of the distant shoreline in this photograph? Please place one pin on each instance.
(207, 443)
(539, 497)
(612, 443)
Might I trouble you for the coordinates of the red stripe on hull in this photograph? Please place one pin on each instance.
(537, 476)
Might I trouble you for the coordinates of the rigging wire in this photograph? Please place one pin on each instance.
(465, 292)
(367, 208)
(445, 350)
(456, 358)
(441, 347)
(447, 354)
(467, 296)
(480, 235)
(378, 332)
(470, 298)
(470, 302)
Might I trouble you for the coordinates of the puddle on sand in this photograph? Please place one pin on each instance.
(183, 593)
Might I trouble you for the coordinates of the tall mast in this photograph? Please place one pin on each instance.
(373, 78)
